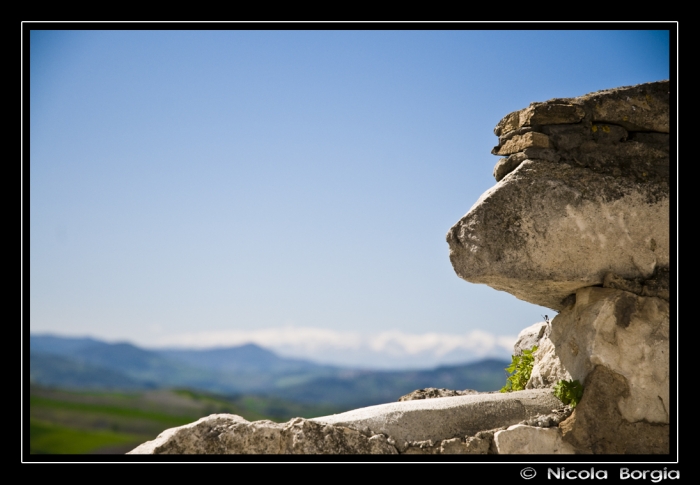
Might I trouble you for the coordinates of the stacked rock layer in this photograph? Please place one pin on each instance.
(583, 194)
(579, 222)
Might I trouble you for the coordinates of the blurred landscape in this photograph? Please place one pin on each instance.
(89, 396)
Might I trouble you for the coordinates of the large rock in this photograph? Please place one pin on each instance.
(579, 222)
(583, 193)
(447, 417)
(231, 434)
(597, 425)
(625, 333)
(617, 344)
(448, 425)
(548, 229)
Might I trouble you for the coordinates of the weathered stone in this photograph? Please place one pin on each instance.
(470, 446)
(656, 286)
(520, 142)
(427, 447)
(521, 439)
(540, 114)
(549, 420)
(541, 154)
(551, 114)
(479, 444)
(619, 132)
(597, 426)
(644, 107)
(643, 161)
(447, 417)
(530, 337)
(547, 370)
(231, 434)
(589, 210)
(520, 131)
(432, 392)
(510, 122)
(455, 446)
(605, 149)
(549, 229)
(506, 165)
(659, 141)
(564, 138)
(626, 334)
(636, 161)
(482, 442)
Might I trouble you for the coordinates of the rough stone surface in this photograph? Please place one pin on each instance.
(432, 392)
(471, 446)
(231, 434)
(625, 333)
(506, 165)
(479, 444)
(521, 439)
(597, 426)
(579, 222)
(549, 229)
(450, 425)
(540, 114)
(530, 337)
(549, 420)
(644, 107)
(657, 285)
(547, 370)
(447, 417)
(519, 143)
(619, 132)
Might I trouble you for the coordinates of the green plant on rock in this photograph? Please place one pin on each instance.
(519, 370)
(568, 392)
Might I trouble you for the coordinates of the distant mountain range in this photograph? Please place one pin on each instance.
(85, 363)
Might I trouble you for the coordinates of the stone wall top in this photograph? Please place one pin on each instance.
(644, 107)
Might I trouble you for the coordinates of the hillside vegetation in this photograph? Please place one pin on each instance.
(67, 422)
(87, 396)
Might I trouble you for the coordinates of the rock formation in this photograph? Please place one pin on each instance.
(578, 222)
(617, 344)
(464, 424)
(231, 434)
(582, 193)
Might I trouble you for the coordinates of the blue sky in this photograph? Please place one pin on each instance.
(291, 188)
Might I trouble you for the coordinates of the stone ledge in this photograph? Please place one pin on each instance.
(448, 417)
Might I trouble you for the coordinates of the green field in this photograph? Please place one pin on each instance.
(69, 422)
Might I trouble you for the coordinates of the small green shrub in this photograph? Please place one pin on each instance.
(569, 392)
(519, 370)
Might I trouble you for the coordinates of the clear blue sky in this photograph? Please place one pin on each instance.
(291, 188)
